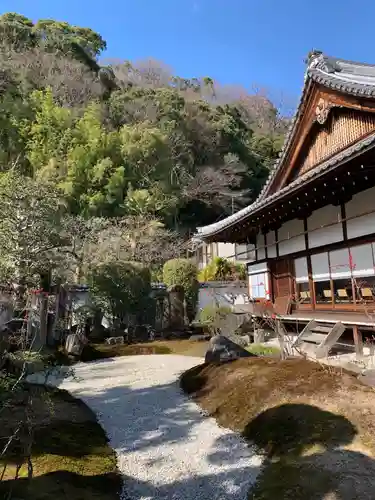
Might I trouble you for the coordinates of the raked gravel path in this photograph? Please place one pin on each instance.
(166, 447)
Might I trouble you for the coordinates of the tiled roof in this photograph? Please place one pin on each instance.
(346, 76)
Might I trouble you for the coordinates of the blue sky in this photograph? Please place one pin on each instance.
(245, 42)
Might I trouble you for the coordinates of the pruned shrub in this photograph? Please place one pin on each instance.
(239, 271)
(183, 272)
(121, 289)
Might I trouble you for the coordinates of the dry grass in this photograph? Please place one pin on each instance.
(184, 347)
(71, 456)
(316, 426)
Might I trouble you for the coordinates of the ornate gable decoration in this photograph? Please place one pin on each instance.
(322, 110)
(337, 131)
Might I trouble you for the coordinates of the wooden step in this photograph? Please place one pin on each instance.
(306, 331)
(322, 329)
(314, 338)
(331, 339)
(324, 337)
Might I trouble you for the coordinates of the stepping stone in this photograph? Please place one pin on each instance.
(222, 349)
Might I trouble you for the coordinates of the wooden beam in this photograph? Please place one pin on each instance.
(343, 222)
(265, 245)
(358, 342)
(277, 243)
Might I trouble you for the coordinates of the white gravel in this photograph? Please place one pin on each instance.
(166, 447)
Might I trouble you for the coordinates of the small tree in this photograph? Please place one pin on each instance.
(30, 229)
(213, 316)
(121, 289)
(183, 272)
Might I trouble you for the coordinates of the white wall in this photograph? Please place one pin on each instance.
(260, 246)
(325, 235)
(291, 237)
(221, 249)
(271, 245)
(359, 204)
(226, 250)
(212, 293)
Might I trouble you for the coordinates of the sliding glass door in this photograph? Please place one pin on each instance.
(339, 279)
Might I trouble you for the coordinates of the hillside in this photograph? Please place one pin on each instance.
(128, 138)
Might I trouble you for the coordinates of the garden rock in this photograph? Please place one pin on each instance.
(74, 344)
(368, 377)
(241, 340)
(115, 340)
(259, 335)
(177, 308)
(199, 338)
(245, 339)
(221, 349)
(246, 327)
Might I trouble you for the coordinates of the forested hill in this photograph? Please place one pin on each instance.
(124, 138)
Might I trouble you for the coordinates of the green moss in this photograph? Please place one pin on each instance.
(71, 456)
(263, 350)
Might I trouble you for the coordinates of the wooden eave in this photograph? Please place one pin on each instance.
(318, 94)
(334, 186)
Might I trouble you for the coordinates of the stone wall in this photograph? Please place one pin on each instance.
(222, 293)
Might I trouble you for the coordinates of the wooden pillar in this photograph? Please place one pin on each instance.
(358, 342)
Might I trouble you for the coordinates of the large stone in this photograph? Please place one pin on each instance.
(259, 335)
(115, 340)
(176, 307)
(223, 349)
(75, 343)
(245, 339)
(246, 327)
(241, 340)
(368, 377)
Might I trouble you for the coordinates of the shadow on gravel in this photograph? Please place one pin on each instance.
(220, 486)
(161, 416)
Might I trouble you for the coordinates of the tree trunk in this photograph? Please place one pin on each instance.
(40, 339)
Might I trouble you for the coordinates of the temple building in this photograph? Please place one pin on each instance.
(313, 224)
